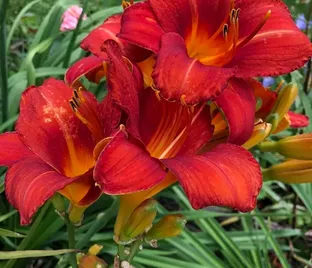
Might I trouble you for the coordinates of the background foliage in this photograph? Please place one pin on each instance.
(277, 234)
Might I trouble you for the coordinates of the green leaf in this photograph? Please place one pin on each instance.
(17, 21)
(273, 242)
(8, 233)
(8, 255)
(8, 215)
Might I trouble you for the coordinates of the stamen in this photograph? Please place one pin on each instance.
(86, 113)
(255, 31)
(75, 100)
(182, 99)
(73, 106)
(225, 30)
(76, 94)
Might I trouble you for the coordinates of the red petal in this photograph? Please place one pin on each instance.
(49, 127)
(111, 115)
(125, 81)
(238, 104)
(82, 191)
(176, 74)
(96, 38)
(31, 182)
(12, 149)
(278, 48)
(228, 175)
(123, 167)
(84, 66)
(108, 31)
(267, 97)
(140, 27)
(184, 16)
(161, 122)
(298, 120)
(199, 133)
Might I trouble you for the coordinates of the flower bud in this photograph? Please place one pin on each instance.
(168, 226)
(91, 261)
(140, 219)
(75, 214)
(295, 147)
(95, 249)
(285, 99)
(58, 203)
(298, 120)
(260, 132)
(291, 171)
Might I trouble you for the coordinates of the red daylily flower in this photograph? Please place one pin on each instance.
(240, 118)
(200, 45)
(160, 144)
(52, 148)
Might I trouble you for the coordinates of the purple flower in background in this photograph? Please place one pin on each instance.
(268, 81)
(301, 22)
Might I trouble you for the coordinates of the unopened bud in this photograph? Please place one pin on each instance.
(95, 249)
(260, 132)
(295, 147)
(168, 226)
(285, 99)
(75, 214)
(58, 203)
(140, 219)
(291, 171)
(283, 124)
(91, 261)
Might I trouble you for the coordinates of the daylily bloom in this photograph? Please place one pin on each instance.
(205, 50)
(160, 146)
(200, 45)
(70, 18)
(52, 148)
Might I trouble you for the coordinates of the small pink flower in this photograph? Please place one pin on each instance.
(70, 18)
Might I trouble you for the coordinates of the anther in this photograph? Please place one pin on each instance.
(182, 99)
(157, 94)
(75, 100)
(225, 29)
(233, 14)
(76, 94)
(73, 106)
(237, 13)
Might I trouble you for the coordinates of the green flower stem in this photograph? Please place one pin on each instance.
(134, 249)
(71, 241)
(121, 252)
(99, 223)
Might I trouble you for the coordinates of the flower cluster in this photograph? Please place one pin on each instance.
(182, 106)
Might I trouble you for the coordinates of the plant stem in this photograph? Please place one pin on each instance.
(3, 62)
(71, 241)
(134, 249)
(98, 224)
(121, 252)
(74, 36)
